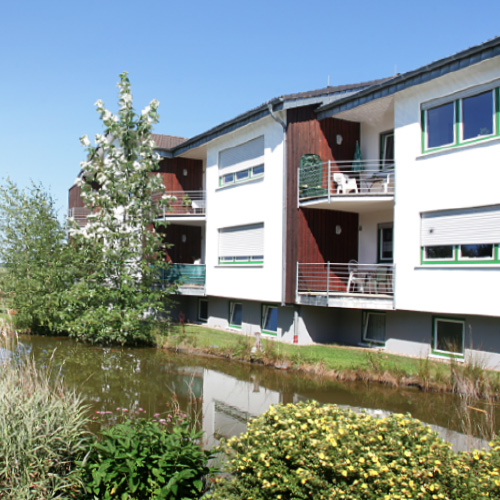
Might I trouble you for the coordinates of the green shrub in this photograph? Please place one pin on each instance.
(307, 451)
(42, 433)
(141, 459)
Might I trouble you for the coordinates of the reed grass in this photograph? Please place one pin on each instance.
(42, 433)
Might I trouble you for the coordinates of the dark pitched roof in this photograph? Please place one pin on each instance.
(263, 110)
(455, 62)
(167, 141)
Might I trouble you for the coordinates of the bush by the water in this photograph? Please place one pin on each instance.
(42, 433)
(142, 459)
(308, 451)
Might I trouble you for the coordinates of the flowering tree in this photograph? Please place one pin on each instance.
(117, 296)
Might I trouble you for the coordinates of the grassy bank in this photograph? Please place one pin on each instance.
(341, 362)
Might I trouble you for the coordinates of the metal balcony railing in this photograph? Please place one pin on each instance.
(186, 276)
(340, 178)
(190, 203)
(345, 279)
(79, 215)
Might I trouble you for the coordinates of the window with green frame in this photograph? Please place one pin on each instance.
(464, 118)
(242, 245)
(248, 174)
(235, 314)
(461, 236)
(448, 337)
(387, 150)
(269, 319)
(374, 327)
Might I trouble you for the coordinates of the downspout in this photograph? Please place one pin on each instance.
(277, 119)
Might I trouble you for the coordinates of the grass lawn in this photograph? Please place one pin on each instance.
(340, 361)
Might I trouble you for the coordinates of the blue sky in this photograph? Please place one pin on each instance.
(204, 61)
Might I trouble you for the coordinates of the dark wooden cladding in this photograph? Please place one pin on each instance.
(172, 171)
(318, 242)
(75, 197)
(182, 252)
(307, 135)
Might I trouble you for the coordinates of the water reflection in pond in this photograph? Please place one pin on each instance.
(227, 393)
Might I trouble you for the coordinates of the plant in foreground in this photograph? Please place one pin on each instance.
(141, 459)
(42, 433)
(306, 451)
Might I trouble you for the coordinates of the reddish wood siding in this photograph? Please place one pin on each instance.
(171, 169)
(306, 135)
(182, 252)
(75, 197)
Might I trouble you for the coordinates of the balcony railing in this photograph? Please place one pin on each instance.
(79, 215)
(183, 203)
(339, 178)
(352, 279)
(189, 278)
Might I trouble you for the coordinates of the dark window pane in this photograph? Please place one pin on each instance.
(236, 314)
(476, 251)
(228, 179)
(440, 122)
(477, 115)
(375, 327)
(242, 175)
(388, 153)
(203, 312)
(449, 336)
(439, 252)
(242, 258)
(386, 244)
(271, 319)
(258, 170)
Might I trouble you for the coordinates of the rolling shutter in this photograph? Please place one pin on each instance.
(241, 157)
(241, 241)
(467, 226)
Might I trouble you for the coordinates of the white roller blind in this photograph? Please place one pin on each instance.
(241, 157)
(467, 226)
(241, 241)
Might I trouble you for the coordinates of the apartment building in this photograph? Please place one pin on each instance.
(364, 214)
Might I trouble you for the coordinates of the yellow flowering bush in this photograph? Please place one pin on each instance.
(308, 451)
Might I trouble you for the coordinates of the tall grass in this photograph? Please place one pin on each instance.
(42, 433)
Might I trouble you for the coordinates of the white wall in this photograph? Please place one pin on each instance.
(247, 203)
(466, 176)
(368, 237)
(370, 134)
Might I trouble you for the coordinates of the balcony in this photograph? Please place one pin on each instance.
(189, 278)
(189, 204)
(79, 215)
(361, 185)
(350, 285)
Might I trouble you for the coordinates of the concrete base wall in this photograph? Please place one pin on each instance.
(407, 332)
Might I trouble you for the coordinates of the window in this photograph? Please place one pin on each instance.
(385, 232)
(242, 163)
(448, 337)
(462, 236)
(467, 117)
(373, 327)
(387, 150)
(235, 314)
(203, 310)
(242, 245)
(269, 323)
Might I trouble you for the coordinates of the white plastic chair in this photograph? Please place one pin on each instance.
(344, 183)
(355, 279)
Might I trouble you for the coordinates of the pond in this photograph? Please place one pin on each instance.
(226, 393)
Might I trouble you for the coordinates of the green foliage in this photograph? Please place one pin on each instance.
(38, 265)
(117, 296)
(42, 433)
(307, 451)
(141, 459)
